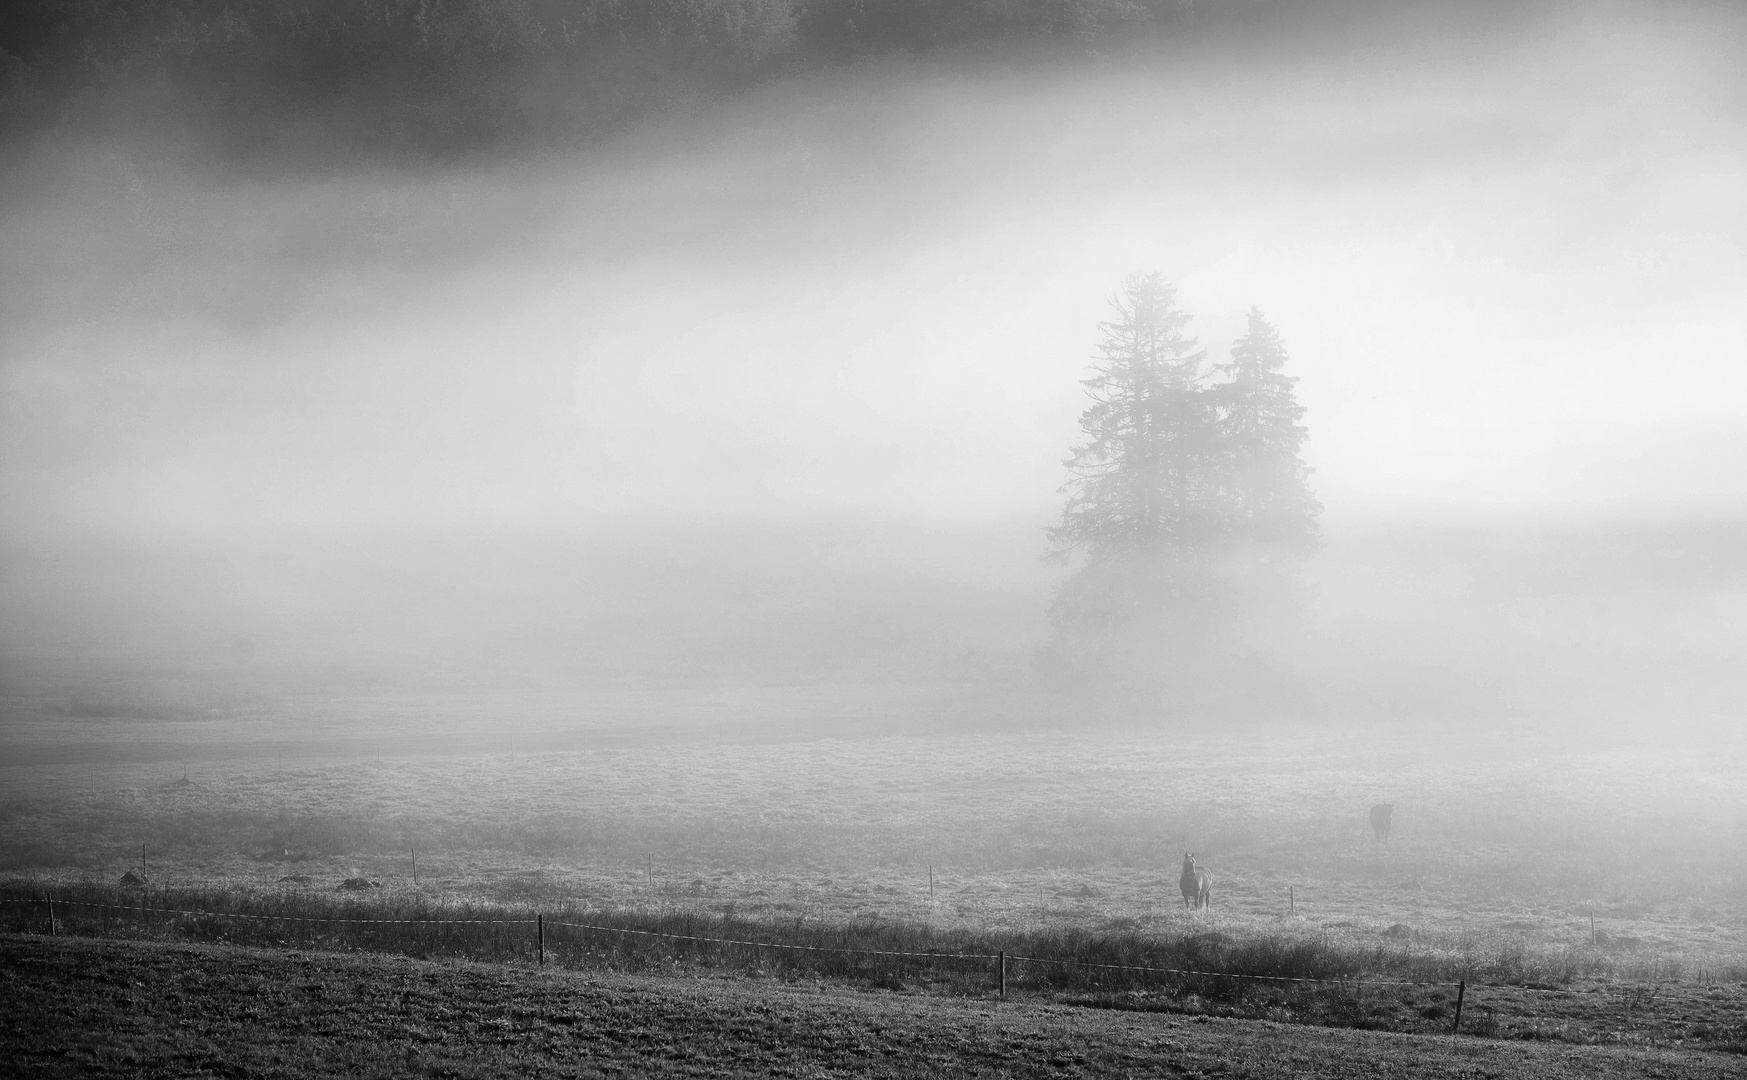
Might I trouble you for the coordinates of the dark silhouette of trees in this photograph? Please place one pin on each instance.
(448, 76)
(1188, 506)
(1140, 480)
(1266, 498)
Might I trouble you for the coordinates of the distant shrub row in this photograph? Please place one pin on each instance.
(446, 75)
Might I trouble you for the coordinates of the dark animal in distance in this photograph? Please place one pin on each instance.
(1380, 820)
(1196, 883)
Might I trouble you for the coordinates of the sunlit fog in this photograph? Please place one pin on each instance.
(702, 482)
(784, 355)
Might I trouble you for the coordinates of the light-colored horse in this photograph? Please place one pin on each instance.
(1196, 883)
(1380, 820)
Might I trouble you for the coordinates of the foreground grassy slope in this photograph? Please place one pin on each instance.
(90, 1008)
(1403, 990)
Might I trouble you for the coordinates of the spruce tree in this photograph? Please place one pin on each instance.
(1266, 505)
(1139, 483)
(1188, 508)
(1142, 493)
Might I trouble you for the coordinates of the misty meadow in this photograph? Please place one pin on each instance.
(873, 537)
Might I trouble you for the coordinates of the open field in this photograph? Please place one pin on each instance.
(1042, 842)
(1504, 844)
(86, 1008)
(755, 537)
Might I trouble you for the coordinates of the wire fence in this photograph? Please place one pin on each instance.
(143, 909)
(1215, 974)
(999, 967)
(933, 955)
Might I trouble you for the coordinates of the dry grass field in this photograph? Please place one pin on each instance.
(733, 816)
(135, 1009)
(1498, 842)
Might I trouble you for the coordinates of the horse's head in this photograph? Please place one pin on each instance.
(1188, 861)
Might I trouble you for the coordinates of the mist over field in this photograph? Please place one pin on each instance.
(775, 386)
(1236, 509)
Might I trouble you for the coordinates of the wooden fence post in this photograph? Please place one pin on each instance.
(1291, 900)
(540, 932)
(1002, 960)
(1461, 992)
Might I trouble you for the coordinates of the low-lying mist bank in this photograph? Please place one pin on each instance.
(1610, 625)
(725, 605)
(775, 391)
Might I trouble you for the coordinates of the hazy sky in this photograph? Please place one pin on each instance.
(1510, 271)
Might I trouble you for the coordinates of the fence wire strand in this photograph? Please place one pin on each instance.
(1217, 974)
(778, 945)
(598, 928)
(279, 918)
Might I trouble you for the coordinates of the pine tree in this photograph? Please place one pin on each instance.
(1188, 508)
(1139, 483)
(1266, 505)
(1142, 493)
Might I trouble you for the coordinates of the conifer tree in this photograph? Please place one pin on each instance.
(1139, 483)
(1142, 493)
(1188, 505)
(1266, 504)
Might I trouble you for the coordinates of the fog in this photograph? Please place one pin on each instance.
(703, 510)
(774, 389)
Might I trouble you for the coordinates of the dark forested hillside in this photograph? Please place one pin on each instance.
(442, 77)
(439, 76)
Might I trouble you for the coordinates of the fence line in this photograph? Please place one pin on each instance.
(1221, 974)
(599, 928)
(776, 945)
(280, 918)
(1365, 979)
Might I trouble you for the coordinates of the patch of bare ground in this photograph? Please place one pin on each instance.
(79, 1007)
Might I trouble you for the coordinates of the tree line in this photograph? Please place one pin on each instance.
(441, 76)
